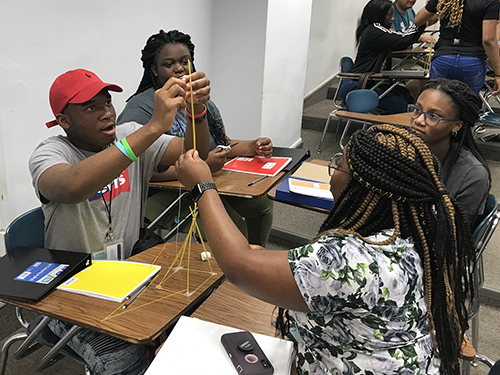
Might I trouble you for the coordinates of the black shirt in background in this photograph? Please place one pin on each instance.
(466, 40)
(376, 44)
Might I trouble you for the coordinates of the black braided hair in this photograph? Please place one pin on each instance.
(373, 12)
(395, 184)
(149, 55)
(467, 106)
(150, 52)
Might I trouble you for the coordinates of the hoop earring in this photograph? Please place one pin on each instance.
(454, 134)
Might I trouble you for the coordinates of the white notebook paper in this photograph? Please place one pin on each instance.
(194, 347)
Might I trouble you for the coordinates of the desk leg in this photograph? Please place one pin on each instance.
(167, 209)
(485, 102)
(32, 337)
(388, 90)
(174, 230)
(57, 347)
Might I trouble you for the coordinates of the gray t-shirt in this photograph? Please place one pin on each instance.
(468, 181)
(140, 109)
(82, 226)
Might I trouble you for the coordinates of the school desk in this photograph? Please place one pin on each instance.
(228, 183)
(231, 183)
(402, 119)
(150, 314)
(232, 307)
(236, 183)
(418, 55)
(392, 78)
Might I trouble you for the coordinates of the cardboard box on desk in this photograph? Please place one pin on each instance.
(283, 193)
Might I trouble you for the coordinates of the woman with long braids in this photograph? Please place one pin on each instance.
(467, 37)
(166, 55)
(382, 288)
(443, 116)
(375, 42)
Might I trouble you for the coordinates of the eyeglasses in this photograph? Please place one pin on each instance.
(334, 164)
(430, 118)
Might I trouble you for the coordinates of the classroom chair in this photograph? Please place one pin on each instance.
(345, 66)
(28, 230)
(358, 101)
(469, 355)
(487, 127)
(480, 237)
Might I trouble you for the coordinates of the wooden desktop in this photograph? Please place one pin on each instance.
(231, 183)
(150, 314)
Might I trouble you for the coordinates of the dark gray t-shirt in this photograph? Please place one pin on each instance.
(468, 181)
(82, 226)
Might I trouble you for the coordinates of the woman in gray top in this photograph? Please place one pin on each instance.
(444, 114)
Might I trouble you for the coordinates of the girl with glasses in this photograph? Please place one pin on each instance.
(443, 116)
(382, 288)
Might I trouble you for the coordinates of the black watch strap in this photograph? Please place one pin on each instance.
(199, 189)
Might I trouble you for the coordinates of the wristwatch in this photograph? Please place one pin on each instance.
(199, 189)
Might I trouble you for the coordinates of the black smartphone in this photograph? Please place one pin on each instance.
(246, 355)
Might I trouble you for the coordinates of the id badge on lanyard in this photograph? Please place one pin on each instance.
(112, 248)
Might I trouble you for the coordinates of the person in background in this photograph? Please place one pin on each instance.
(375, 43)
(92, 184)
(166, 55)
(467, 37)
(383, 287)
(403, 19)
(443, 116)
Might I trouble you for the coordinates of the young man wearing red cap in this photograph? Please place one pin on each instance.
(93, 182)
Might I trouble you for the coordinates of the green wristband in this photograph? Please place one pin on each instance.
(130, 153)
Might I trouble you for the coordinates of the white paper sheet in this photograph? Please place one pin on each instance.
(194, 347)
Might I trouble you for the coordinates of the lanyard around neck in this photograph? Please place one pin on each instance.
(109, 233)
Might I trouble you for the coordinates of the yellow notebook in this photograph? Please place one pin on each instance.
(112, 280)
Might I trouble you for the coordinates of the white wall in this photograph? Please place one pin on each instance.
(333, 25)
(261, 49)
(288, 26)
(237, 61)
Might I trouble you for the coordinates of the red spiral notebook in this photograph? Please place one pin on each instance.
(257, 165)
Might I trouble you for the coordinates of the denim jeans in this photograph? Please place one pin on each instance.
(468, 69)
(105, 355)
(391, 103)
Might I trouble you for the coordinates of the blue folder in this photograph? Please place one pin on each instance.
(283, 193)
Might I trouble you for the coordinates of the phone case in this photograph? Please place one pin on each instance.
(246, 354)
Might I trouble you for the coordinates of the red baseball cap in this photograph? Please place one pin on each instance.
(75, 86)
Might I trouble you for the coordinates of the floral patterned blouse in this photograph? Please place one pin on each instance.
(368, 312)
